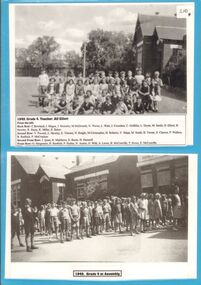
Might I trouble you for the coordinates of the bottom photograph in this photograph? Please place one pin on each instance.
(68, 207)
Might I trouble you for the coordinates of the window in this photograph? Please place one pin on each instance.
(88, 186)
(61, 192)
(15, 193)
(139, 56)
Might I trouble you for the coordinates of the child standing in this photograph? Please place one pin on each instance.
(43, 81)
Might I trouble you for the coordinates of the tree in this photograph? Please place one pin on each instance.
(107, 50)
(73, 61)
(21, 57)
(40, 50)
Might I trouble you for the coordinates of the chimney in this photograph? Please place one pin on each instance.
(77, 160)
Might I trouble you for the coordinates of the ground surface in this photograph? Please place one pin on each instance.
(156, 246)
(26, 104)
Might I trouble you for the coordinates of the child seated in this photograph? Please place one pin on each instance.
(121, 108)
(138, 106)
(87, 107)
(129, 103)
(144, 93)
(107, 107)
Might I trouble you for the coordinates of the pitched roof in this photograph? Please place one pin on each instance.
(149, 22)
(54, 171)
(28, 163)
(170, 33)
(31, 164)
(91, 164)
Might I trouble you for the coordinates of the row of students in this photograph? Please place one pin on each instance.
(100, 94)
(88, 218)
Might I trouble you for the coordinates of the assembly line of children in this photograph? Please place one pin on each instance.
(117, 93)
(70, 219)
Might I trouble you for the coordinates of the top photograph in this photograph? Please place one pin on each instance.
(100, 59)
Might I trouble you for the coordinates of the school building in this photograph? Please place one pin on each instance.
(158, 173)
(159, 41)
(122, 176)
(40, 183)
(116, 175)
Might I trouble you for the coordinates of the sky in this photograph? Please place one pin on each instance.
(60, 160)
(70, 24)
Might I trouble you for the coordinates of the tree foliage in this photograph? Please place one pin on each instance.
(74, 61)
(107, 50)
(40, 50)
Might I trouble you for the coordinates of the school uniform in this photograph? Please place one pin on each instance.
(54, 217)
(117, 214)
(29, 221)
(65, 219)
(15, 224)
(144, 93)
(151, 209)
(129, 81)
(75, 212)
(142, 204)
(134, 214)
(177, 207)
(157, 209)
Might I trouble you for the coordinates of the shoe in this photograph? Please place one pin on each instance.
(29, 249)
(34, 247)
(21, 245)
(62, 241)
(78, 237)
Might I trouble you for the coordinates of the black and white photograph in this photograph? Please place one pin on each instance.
(100, 59)
(92, 208)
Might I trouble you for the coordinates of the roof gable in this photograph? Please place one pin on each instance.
(149, 22)
(54, 172)
(92, 164)
(172, 33)
(30, 166)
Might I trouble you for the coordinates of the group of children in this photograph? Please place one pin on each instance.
(89, 218)
(100, 94)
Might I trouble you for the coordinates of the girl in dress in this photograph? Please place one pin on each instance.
(70, 91)
(151, 211)
(103, 85)
(118, 215)
(95, 88)
(156, 91)
(87, 86)
(79, 87)
(144, 93)
(117, 87)
(157, 210)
